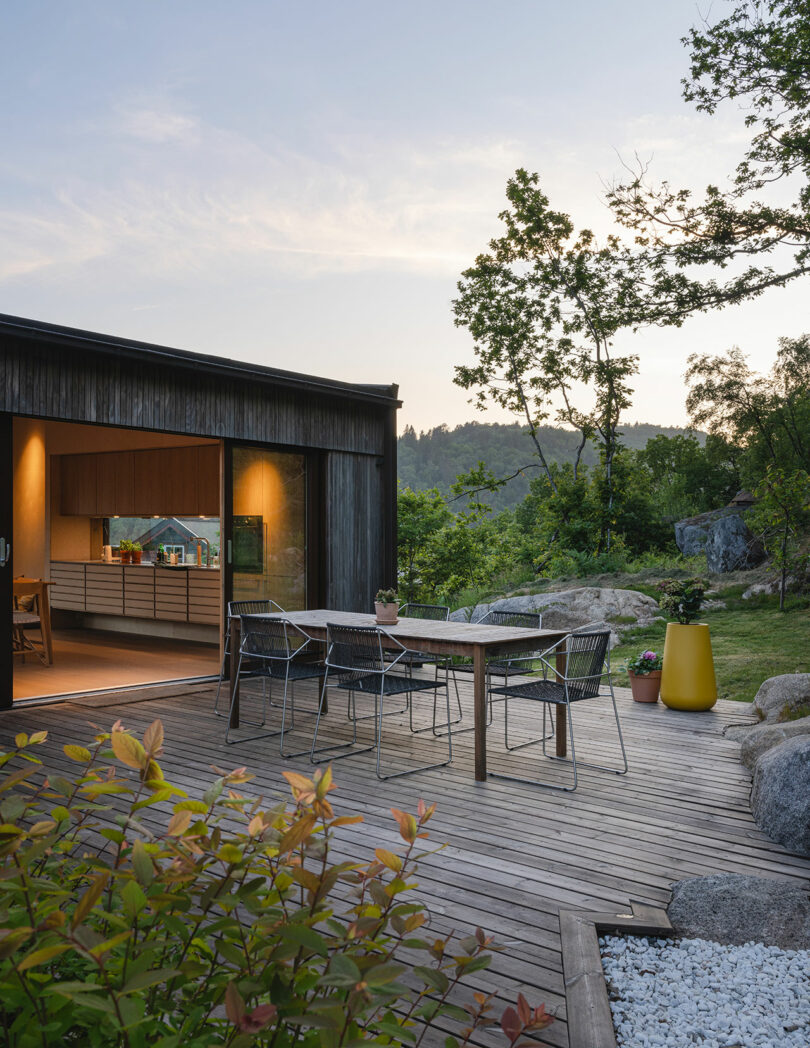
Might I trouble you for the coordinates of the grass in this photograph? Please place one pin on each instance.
(751, 641)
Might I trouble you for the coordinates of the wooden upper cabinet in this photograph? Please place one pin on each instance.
(115, 484)
(208, 480)
(78, 485)
(163, 482)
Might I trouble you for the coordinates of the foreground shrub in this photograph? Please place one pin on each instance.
(226, 925)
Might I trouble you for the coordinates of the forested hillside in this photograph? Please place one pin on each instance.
(434, 458)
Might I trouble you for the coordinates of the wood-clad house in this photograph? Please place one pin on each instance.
(299, 471)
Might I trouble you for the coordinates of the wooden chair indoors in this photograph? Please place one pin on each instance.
(32, 612)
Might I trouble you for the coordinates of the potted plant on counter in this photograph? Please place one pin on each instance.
(135, 550)
(644, 672)
(386, 606)
(125, 551)
(687, 677)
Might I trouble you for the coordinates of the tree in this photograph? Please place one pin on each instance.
(543, 308)
(420, 515)
(767, 417)
(758, 58)
(686, 478)
(783, 508)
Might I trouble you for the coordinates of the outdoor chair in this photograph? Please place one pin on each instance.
(276, 649)
(514, 664)
(356, 662)
(236, 609)
(587, 662)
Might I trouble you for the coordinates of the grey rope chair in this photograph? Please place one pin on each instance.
(587, 661)
(276, 650)
(356, 662)
(514, 664)
(236, 609)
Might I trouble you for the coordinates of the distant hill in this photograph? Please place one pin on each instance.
(433, 458)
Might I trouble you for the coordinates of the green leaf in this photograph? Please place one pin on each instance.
(342, 972)
(142, 864)
(77, 753)
(133, 898)
(381, 974)
(306, 937)
(37, 957)
(150, 978)
(433, 977)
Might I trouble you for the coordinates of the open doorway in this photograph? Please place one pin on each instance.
(116, 557)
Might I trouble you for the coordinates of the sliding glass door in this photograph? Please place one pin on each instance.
(267, 551)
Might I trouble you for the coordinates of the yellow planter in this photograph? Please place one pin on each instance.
(687, 679)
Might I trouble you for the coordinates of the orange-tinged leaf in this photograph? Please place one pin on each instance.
(256, 825)
(153, 737)
(234, 1005)
(299, 783)
(407, 825)
(324, 783)
(178, 824)
(347, 820)
(37, 957)
(389, 859)
(38, 736)
(297, 833)
(90, 898)
(21, 740)
(42, 827)
(128, 750)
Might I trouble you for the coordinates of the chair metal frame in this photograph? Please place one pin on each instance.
(566, 689)
(502, 665)
(277, 644)
(435, 613)
(356, 658)
(236, 609)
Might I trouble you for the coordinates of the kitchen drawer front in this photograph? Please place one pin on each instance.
(104, 589)
(204, 597)
(139, 592)
(171, 595)
(67, 586)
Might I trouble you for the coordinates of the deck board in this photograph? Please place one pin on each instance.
(515, 854)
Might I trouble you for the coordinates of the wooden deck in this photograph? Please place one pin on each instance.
(516, 854)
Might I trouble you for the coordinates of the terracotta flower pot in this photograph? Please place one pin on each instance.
(126, 556)
(386, 614)
(136, 556)
(645, 686)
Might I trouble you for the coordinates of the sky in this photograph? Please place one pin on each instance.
(301, 185)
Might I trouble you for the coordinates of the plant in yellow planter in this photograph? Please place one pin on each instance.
(687, 677)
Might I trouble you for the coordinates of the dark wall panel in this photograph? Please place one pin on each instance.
(77, 386)
(356, 565)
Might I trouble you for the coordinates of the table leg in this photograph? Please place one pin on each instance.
(561, 712)
(480, 712)
(234, 643)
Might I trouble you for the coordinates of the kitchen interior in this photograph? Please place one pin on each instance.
(121, 528)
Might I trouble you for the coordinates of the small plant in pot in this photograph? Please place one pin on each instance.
(135, 552)
(644, 672)
(386, 606)
(687, 679)
(125, 551)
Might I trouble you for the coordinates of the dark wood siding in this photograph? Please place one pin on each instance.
(73, 385)
(356, 564)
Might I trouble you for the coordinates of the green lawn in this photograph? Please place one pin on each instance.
(751, 642)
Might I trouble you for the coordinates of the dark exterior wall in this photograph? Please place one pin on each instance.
(82, 386)
(356, 562)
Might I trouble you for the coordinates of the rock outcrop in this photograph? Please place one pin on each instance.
(763, 737)
(780, 799)
(779, 697)
(735, 909)
(569, 609)
(725, 538)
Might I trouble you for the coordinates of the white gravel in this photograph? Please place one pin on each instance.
(685, 993)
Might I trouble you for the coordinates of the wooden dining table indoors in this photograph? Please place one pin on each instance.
(479, 642)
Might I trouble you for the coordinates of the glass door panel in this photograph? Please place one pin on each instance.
(269, 526)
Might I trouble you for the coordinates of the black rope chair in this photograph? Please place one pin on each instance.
(276, 649)
(356, 662)
(514, 664)
(587, 662)
(420, 659)
(236, 609)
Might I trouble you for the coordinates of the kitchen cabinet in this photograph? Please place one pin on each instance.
(162, 482)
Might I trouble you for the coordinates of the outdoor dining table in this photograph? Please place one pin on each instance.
(479, 642)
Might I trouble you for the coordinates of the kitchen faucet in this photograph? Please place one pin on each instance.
(201, 538)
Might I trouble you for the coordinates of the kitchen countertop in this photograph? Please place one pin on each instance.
(118, 564)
